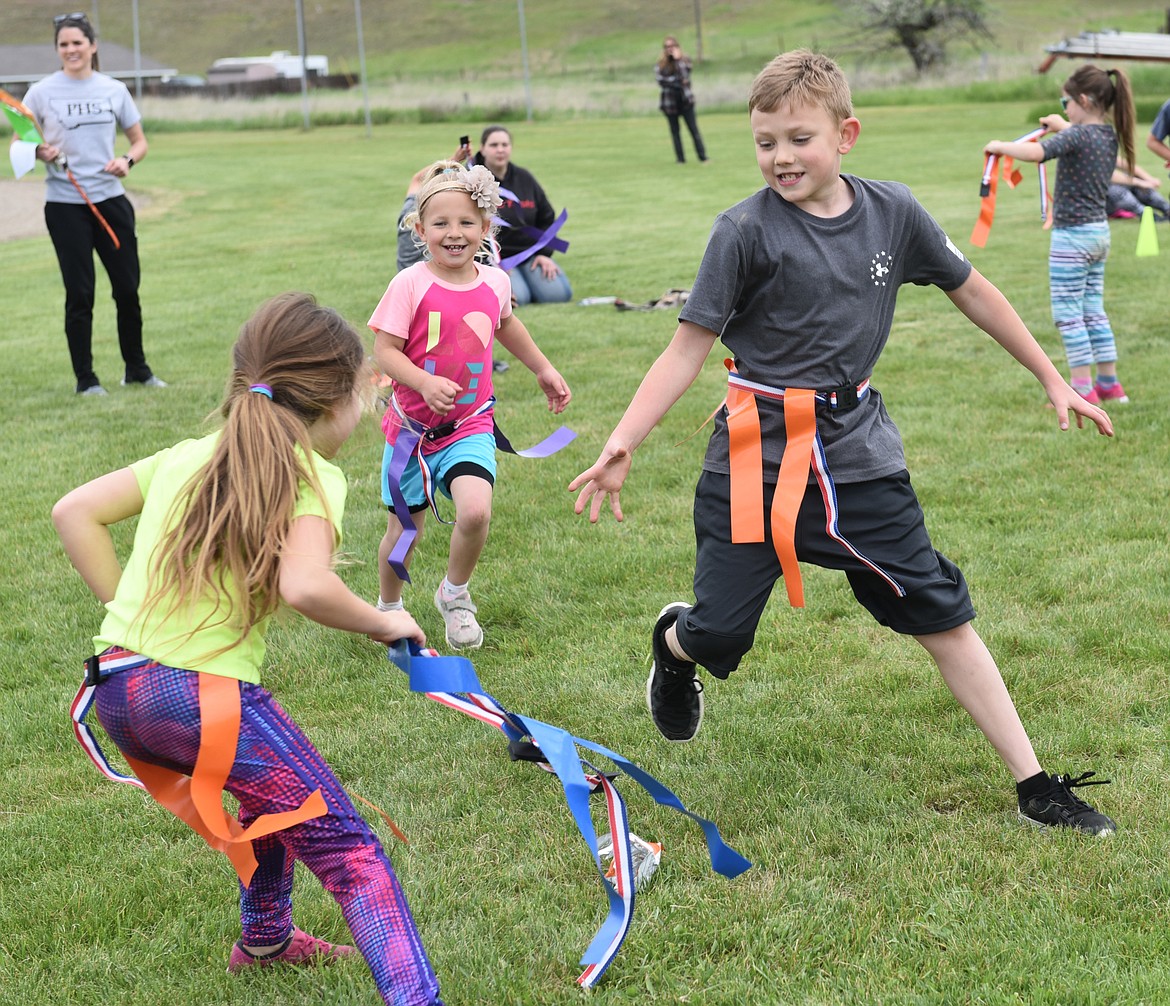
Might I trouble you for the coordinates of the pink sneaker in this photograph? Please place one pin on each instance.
(1093, 397)
(300, 948)
(1115, 394)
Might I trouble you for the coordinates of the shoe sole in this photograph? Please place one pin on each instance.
(1041, 826)
(673, 606)
(465, 646)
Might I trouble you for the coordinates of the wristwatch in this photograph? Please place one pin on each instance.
(129, 161)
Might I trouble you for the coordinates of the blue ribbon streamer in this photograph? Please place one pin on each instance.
(456, 675)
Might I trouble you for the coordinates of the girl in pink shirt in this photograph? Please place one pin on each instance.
(434, 329)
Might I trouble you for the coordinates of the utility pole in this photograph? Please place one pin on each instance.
(304, 62)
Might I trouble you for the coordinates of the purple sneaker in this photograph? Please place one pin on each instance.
(299, 948)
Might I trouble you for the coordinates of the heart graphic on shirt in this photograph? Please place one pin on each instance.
(481, 325)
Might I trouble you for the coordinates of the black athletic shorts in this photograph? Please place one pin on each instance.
(874, 531)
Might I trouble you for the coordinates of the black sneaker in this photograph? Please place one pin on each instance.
(1059, 807)
(673, 693)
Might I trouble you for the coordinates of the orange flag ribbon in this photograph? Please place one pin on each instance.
(197, 799)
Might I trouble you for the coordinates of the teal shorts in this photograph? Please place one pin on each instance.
(474, 454)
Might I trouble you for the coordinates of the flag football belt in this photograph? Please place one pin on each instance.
(746, 458)
(452, 682)
(195, 799)
(412, 435)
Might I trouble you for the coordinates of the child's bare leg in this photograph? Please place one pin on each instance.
(973, 678)
(389, 583)
(473, 516)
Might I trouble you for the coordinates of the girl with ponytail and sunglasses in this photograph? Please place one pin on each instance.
(1086, 146)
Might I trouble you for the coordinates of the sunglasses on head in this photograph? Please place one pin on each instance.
(59, 19)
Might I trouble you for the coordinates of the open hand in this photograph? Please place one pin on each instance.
(605, 478)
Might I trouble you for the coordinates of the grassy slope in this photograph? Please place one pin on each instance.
(445, 38)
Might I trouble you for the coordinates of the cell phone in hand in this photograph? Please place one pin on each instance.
(465, 141)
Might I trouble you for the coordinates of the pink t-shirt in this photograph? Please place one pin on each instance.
(449, 330)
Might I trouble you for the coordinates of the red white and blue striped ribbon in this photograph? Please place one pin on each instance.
(828, 398)
(452, 681)
(79, 709)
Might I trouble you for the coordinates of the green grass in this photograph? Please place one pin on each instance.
(889, 866)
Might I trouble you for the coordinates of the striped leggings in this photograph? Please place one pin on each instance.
(152, 714)
(1076, 277)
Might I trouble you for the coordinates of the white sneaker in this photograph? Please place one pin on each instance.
(463, 631)
(94, 389)
(150, 382)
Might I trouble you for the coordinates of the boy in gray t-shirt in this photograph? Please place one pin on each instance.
(799, 281)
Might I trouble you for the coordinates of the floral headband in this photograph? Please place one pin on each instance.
(477, 181)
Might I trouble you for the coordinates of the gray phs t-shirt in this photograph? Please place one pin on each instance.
(807, 302)
(82, 118)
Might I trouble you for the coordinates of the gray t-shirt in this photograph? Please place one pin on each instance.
(82, 118)
(1088, 155)
(807, 302)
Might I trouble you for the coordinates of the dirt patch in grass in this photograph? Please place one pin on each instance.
(22, 208)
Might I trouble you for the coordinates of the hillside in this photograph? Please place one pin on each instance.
(450, 41)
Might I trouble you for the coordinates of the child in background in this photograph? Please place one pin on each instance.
(1130, 192)
(230, 526)
(1086, 146)
(434, 329)
(800, 282)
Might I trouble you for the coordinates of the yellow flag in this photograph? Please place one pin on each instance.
(1147, 236)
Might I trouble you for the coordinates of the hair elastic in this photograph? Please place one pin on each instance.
(262, 389)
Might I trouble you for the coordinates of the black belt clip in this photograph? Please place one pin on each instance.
(93, 671)
(438, 432)
(842, 399)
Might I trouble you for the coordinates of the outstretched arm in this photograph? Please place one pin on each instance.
(309, 584)
(82, 519)
(1021, 150)
(984, 305)
(514, 337)
(671, 374)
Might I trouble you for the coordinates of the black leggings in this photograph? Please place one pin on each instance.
(76, 235)
(687, 113)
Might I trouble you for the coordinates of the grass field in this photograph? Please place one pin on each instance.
(889, 864)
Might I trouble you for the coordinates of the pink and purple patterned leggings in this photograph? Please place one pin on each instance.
(152, 714)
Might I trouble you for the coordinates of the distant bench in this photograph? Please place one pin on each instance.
(1150, 46)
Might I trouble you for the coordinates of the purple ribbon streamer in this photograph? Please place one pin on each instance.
(542, 241)
(559, 438)
(404, 446)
